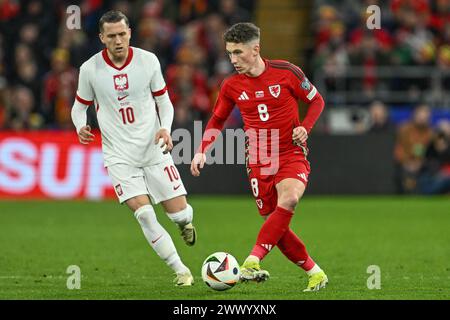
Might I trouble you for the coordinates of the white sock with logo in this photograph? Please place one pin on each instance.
(183, 217)
(159, 239)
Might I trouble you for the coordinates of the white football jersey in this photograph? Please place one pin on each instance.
(125, 104)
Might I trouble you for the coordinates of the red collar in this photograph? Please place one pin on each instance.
(110, 63)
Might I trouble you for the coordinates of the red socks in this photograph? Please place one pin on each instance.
(276, 232)
(272, 231)
(294, 249)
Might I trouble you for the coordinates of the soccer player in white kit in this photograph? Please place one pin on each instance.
(125, 84)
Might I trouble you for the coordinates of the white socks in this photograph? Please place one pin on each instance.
(252, 258)
(183, 217)
(313, 270)
(159, 239)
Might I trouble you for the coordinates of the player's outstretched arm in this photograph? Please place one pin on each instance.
(212, 130)
(222, 110)
(197, 163)
(164, 135)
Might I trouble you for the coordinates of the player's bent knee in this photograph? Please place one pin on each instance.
(137, 202)
(175, 205)
(132, 205)
(288, 201)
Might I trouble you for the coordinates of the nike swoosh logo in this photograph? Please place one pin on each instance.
(153, 241)
(121, 98)
(175, 188)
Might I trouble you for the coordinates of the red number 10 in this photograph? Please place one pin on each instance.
(172, 173)
(127, 115)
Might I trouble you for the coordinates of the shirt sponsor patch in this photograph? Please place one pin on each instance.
(259, 94)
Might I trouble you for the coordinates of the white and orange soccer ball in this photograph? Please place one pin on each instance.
(220, 271)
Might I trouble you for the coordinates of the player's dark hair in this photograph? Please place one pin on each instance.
(112, 16)
(241, 32)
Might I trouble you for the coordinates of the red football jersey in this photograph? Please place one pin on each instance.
(268, 105)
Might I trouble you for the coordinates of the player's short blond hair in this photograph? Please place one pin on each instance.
(242, 32)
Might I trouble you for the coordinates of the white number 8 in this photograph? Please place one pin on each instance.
(254, 184)
(263, 114)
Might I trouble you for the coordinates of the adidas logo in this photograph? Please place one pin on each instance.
(267, 246)
(243, 96)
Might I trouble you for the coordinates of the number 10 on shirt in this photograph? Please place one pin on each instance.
(127, 115)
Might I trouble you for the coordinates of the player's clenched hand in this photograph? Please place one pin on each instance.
(85, 136)
(299, 135)
(197, 163)
(167, 139)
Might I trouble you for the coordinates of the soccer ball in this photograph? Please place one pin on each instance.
(220, 271)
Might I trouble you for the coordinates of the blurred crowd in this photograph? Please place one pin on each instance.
(412, 33)
(40, 56)
(422, 155)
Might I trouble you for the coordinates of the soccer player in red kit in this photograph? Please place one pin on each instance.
(267, 93)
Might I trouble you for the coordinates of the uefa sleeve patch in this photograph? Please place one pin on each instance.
(306, 85)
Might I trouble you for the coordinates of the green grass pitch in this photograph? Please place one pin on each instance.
(408, 238)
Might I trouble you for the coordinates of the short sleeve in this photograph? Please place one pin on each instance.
(85, 93)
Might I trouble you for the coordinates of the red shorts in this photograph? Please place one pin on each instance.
(263, 186)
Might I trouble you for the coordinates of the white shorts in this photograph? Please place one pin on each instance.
(161, 181)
